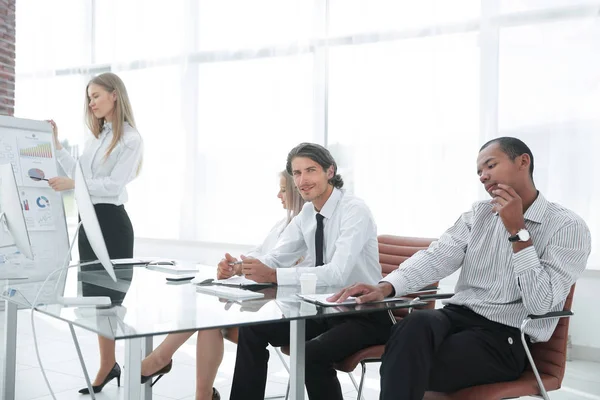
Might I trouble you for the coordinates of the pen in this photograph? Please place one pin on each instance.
(35, 178)
(231, 264)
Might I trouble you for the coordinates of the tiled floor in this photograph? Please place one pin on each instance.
(582, 379)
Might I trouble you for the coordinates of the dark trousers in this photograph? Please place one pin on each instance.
(118, 235)
(328, 341)
(446, 350)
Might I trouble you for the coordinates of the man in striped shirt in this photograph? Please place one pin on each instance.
(520, 254)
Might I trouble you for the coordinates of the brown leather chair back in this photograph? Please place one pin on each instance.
(394, 250)
(551, 356)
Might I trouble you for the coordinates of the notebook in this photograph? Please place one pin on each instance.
(230, 293)
(234, 281)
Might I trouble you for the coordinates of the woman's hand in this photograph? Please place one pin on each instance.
(57, 144)
(61, 183)
(225, 270)
(255, 270)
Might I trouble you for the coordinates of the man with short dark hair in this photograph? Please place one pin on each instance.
(519, 254)
(338, 233)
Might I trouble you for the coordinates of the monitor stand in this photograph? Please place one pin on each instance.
(98, 301)
(95, 301)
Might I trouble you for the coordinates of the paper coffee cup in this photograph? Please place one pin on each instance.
(308, 283)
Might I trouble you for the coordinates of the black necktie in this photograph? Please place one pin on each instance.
(319, 241)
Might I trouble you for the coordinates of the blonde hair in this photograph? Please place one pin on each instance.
(122, 111)
(293, 200)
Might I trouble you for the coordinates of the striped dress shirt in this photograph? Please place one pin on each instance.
(495, 282)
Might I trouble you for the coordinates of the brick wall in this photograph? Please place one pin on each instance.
(7, 57)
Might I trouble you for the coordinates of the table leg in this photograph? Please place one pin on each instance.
(297, 358)
(133, 368)
(147, 350)
(84, 369)
(10, 350)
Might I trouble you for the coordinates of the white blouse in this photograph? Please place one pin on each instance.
(270, 241)
(106, 178)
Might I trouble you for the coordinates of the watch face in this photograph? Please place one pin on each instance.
(523, 235)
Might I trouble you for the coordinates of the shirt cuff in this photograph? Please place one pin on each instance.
(397, 284)
(524, 260)
(287, 276)
(393, 294)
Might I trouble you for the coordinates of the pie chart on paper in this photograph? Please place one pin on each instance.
(36, 174)
(42, 202)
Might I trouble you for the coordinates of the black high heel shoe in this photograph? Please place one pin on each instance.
(164, 370)
(115, 372)
(216, 395)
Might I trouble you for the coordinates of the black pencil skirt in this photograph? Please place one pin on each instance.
(118, 234)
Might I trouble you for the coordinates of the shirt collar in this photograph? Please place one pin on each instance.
(330, 204)
(537, 209)
(107, 127)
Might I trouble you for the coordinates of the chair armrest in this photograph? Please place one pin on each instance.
(553, 314)
(436, 296)
(426, 289)
(431, 288)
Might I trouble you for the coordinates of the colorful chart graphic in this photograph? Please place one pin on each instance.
(36, 160)
(37, 209)
(42, 150)
(37, 174)
(42, 202)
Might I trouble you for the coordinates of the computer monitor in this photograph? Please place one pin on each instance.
(11, 211)
(89, 220)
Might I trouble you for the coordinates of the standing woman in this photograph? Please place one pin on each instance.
(111, 159)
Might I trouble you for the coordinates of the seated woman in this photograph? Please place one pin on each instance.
(209, 347)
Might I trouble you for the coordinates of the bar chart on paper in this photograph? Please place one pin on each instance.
(41, 150)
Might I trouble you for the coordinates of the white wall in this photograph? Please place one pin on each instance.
(585, 325)
(584, 329)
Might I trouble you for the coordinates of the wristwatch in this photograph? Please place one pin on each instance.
(521, 236)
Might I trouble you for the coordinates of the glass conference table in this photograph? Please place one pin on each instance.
(152, 306)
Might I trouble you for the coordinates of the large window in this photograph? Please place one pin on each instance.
(130, 30)
(156, 96)
(350, 17)
(217, 107)
(403, 92)
(403, 123)
(250, 114)
(52, 35)
(549, 95)
(224, 25)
